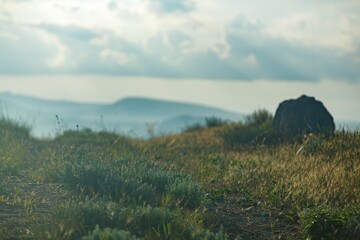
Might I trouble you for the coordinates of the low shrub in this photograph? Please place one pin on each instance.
(207, 235)
(259, 118)
(214, 122)
(158, 178)
(88, 137)
(78, 217)
(255, 130)
(109, 234)
(14, 147)
(331, 223)
(158, 222)
(194, 127)
(118, 181)
(134, 182)
(13, 129)
(187, 192)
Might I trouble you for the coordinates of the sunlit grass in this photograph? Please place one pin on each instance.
(111, 185)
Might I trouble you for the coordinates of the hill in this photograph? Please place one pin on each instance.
(129, 116)
(194, 185)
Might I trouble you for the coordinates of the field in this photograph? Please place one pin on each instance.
(223, 181)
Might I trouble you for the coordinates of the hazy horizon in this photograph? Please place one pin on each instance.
(236, 55)
(232, 96)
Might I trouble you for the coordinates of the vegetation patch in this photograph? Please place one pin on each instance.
(227, 181)
(324, 222)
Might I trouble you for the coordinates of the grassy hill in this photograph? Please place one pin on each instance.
(223, 182)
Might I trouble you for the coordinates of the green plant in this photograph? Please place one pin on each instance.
(331, 223)
(187, 192)
(81, 217)
(15, 197)
(158, 178)
(130, 181)
(2, 231)
(109, 234)
(29, 202)
(163, 232)
(255, 130)
(207, 235)
(194, 127)
(161, 223)
(258, 118)
(13, 129)
(241, 134)
(214, 122)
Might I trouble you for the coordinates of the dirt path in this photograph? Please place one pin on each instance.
(249, 222)
(24, 206)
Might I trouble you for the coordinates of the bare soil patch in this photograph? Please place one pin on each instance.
(249, 222)
(25, 206)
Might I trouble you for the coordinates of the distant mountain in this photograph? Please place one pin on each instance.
(131, 116)
(179, 123)
(158, 110)
(15, 102)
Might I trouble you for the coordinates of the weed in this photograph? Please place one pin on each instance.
(130, 181)
(15, 197)
(194, 127)
(255, 130)
(214, 122)
(331, 223)
(187, 192)
(110, 234)
(207, 235)
(29, 202)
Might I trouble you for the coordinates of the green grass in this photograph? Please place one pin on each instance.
(220, 182)
(331, 223)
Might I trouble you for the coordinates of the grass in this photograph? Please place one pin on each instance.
(217, 182)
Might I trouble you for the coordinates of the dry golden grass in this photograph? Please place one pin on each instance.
(326, 171)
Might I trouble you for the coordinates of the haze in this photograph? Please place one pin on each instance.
(237, 55)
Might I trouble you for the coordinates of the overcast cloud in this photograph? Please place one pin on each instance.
(228, 39)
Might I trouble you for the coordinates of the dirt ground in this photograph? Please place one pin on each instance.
(24, 206)
(249, 222)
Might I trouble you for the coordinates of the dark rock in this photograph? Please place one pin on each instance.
(296, 117)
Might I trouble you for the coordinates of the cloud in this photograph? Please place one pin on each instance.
(59, 58)
(328, 30)
(71, 31)
(241, 24)
(170, 6)
(112, 5)
(139, 38)
(277, 58)
(25, 50)
(117, 56)
(171, 54)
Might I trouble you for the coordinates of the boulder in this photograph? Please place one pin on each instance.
(300, 116)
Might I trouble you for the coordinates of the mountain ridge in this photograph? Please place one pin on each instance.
(130, 114)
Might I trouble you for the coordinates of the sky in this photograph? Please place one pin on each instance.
(239, 55)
